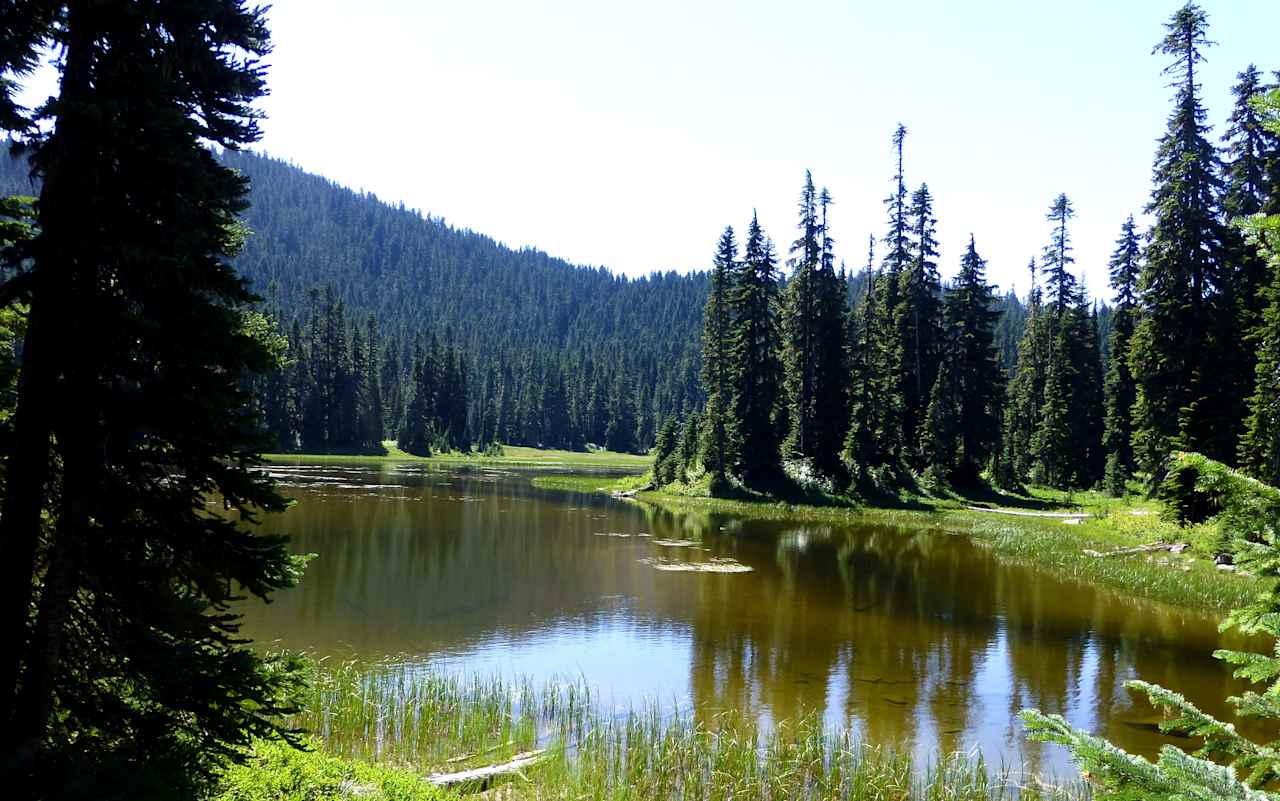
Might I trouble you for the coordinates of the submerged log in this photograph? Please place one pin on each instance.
(483, 775)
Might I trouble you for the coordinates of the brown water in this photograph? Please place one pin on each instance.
(912, 636)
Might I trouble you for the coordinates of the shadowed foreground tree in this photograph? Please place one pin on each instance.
(123, 675)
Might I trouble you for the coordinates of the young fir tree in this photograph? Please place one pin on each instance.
(1260, 443)
(718, 451)
(918, 319)
(1119, 389)
(1184, 260)
(974, 375)
(756, 369)
(123, 671)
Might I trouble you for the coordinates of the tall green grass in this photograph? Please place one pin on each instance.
(404, 715)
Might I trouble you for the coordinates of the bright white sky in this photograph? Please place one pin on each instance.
(628, 135)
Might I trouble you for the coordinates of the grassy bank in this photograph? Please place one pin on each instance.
(511, 456)
(412, 722)
(1060, 544)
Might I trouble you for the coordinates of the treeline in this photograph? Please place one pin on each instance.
(903, 379)
(345, 388)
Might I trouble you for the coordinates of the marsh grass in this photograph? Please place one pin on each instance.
(407, 717)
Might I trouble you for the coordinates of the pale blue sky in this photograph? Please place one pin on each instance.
(629, 135)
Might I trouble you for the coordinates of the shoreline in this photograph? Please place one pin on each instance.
(1085, 536)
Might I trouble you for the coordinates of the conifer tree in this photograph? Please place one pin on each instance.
(122, 669)
(974, 375)
(756, 369)
(372, 431)
(1175, 405)
(1060, 284)
(832, 372)
(1119, 389)
(686, 455)
(806, 324)
(415, 434)
(718, 453)
(861, 445)
(918, 318)
(1260, 443)
(620, 433)
(885, 351)
(664, 448)
(1023, 408)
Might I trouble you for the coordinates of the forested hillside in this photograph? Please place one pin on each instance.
(534, 331)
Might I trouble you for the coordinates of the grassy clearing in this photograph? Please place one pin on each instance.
(1189, 579)
(400, 715)
(512, 456)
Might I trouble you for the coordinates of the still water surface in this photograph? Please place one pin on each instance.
(909, 635)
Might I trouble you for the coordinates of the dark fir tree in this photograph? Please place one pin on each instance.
(1119, 389)
(1174, 355)
(807, 323)
(918, 319)
(123, 673)
(832, 385)
(718, 451)
(861, 445)
(972, 388)
(1025, 392)
(756, 368)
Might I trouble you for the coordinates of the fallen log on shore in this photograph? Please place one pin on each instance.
(1151, 548)
(483, 775)
(1019, 513)
(631, 493)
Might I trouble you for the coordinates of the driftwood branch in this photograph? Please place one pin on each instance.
(486, 774)
(1155, 546)
(1027, 514)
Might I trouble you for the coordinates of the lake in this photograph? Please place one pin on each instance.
(906, 635)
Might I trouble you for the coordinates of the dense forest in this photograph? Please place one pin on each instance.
(899, 382)
(400, 327)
